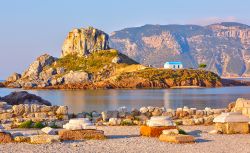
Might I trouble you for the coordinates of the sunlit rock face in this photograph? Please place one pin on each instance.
(224, 47)
(84, 41)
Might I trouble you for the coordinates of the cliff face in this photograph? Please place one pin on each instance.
(84, 41)
(224, 47)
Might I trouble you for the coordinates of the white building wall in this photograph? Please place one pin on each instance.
(170, 66)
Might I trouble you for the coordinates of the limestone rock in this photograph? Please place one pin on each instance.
(160, 121)
(143, 109)
(18, 109)
(78, 124)
(231, 123)
(157, 112)
(4, 116)
(232, 128)
(114, 121)
(177, 138)
(5, 137)
(231, 118)
(81, 134)
(22, 139)
(76, 77)
(37, 66)
(170, 132)
(62, 110)
(43, 139)
(49, 131)
(84, 41)
(154, 131)
(23, 97)
(14, 77)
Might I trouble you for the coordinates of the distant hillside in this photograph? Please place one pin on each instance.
(224, 47)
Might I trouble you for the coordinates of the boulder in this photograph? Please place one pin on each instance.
(43, 139)
(144, 110)
(37, 66)
(4, 116)
(49, 131)
(232, 123)
(157, 112)
(242, 105)
(22, 139)
(81, 134)
(23, 97)
(114, 121)
(76, 77)
(170, 131)
(78, 124)
(154, 131)
(5, 137)
(231, 117)
(18, 109)
(156, 121)
(62, 110)
(14, 77)
(179, 138)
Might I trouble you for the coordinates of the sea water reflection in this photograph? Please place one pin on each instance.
(100, 100)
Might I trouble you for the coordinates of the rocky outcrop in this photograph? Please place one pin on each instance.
(14, 77)
(38, 66)
(38, 74)
(24, 97)
(76, 77)
(224, 47)
(85, 41)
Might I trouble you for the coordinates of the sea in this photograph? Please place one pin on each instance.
(104, 100)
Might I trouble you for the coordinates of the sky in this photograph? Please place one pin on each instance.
(30, 28)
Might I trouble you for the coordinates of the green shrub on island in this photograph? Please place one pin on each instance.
(38, 125)
(26, 124)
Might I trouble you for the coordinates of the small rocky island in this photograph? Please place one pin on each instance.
(87, 62)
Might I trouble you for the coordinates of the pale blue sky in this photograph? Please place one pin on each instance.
(29, 28)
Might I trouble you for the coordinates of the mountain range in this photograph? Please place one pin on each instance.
(223, 47)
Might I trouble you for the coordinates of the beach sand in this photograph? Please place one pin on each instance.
(126, 139)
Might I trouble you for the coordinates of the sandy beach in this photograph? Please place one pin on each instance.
(127, 139)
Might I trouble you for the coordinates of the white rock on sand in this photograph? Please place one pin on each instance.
(127, 139)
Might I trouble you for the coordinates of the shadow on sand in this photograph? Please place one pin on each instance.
(121, 136)
(197, 134)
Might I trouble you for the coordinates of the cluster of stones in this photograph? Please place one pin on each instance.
(12, 116)
(76, 129)
(164, 128)
(156, 125)
(181, 116)
(80, 129)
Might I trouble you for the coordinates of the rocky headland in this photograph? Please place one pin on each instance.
(88, 62)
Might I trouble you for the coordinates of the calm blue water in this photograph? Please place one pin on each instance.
(100, 100)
